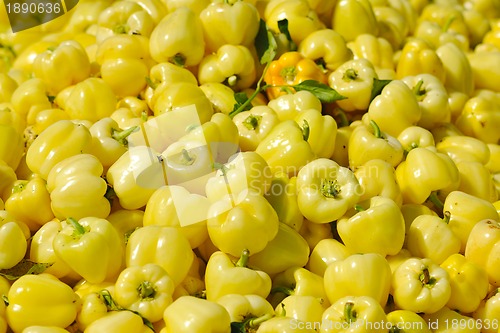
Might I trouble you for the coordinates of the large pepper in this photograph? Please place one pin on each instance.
(68, 62)
(326, 190)
(359, 275)
(327, 48)
(431, 237)
(359, 11)
(462, 148)
(41, 300)
(29, 98)
(483, 69)
(423, 172)
(126, 17)
(408, 321)
(178, 38)
(58, 142)
(325, 252)
(286, 149)
(476, 179)
(466, 211)
(164, 246)
(354, 314)
(289, 69)
(28, 196)
(469, 283)
(354, 80)
(245, 222)
(482, 248)
(419, 57)
(287, 107)
(480, 115)
(13, 244)
(229, 22)
(361, 234)
(321, 131)
(254, 125)
(199, 315)
(420, 285)
(368, 142)
(458, 70)
(77, 189)
(282, 195)
(224, 276)
(377, 178)
(91, 247)
(146, 289)
(376, 50)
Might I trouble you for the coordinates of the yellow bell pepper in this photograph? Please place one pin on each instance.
(480, 115)
(164, 246)
(376, 50)
(327, 48)
(449, 320)
(286, 324)
(285, 148)
(28, 196)
(246, 311)
(13, 244)
(77, 180)
(178, 38)
(254, 125)
(360, 11)
(91, 247)
(354, 80)
(315, 232)
(42, 250)
(11, 146)
(423, 172)
(289, 69)
(321, 131)
(126, 17)
(302, 308)
(431, 237)
(91, 99)
(225, 22)
(361, 235)
(476, 179)
(44, 329)
(340, 153)
(41, 300)
(68, 61)
(462, 148)
(469, 283)
(302, 19)
(408, 321)
(358, 275)
(199, 315)
(145, 289)
(120, 322)
(58, 142)
(466, 211)
(287, 249)
(230, 64)
(483, 69)
(125, 76)
(377, 178)
(29, 98)
(457, 67)
(354, 314)
(245, 222)
(325, 252)
(93, 307)
(298, 281)
(487, 313)
(420, 285)
(326, 190)
(418, 57)
(224, 276)
(221, 96)
(282, 195)
(368, 142)
(481, 248)
(287, 107)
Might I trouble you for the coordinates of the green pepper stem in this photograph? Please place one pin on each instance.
(376, 130)
(5, 300)
(79, 229)
(349, 312)
(146, 290)
(255, 322)
(446, 217)
(150, 83)
(224, 169)
(492, 293)
(178, 59)
(305, 130)
(350, 75)
(395, 329)
(252, 122)
(19, 187)
(418, 91)
(282, 289)
(426, 278)
(330, 188)
(359, 208)
(187, 159)
(436, 201)
(243, 261)
(232, 80)
(448, 23)
(343, 120)
(121, 136)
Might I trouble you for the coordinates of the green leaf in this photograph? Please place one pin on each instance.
(265, 44)
(240, 98)
(377, 87)
(237, 327)
(283, 28)
(325, 93)
(24, 267)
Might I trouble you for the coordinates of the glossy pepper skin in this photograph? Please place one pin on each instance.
(321, 131)
(346, 11)
(249, 310)
(377, 178)
(289, 69)
(77, 180)
(298, 281)
(373, 226)
(420, 285)
(417, 57)
(13, 246)
(326, 190)
(488, 311)
(254, 125)
(347, 278)
(224, 276)
(41, 300)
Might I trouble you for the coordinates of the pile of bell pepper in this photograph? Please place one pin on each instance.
(232, 166)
